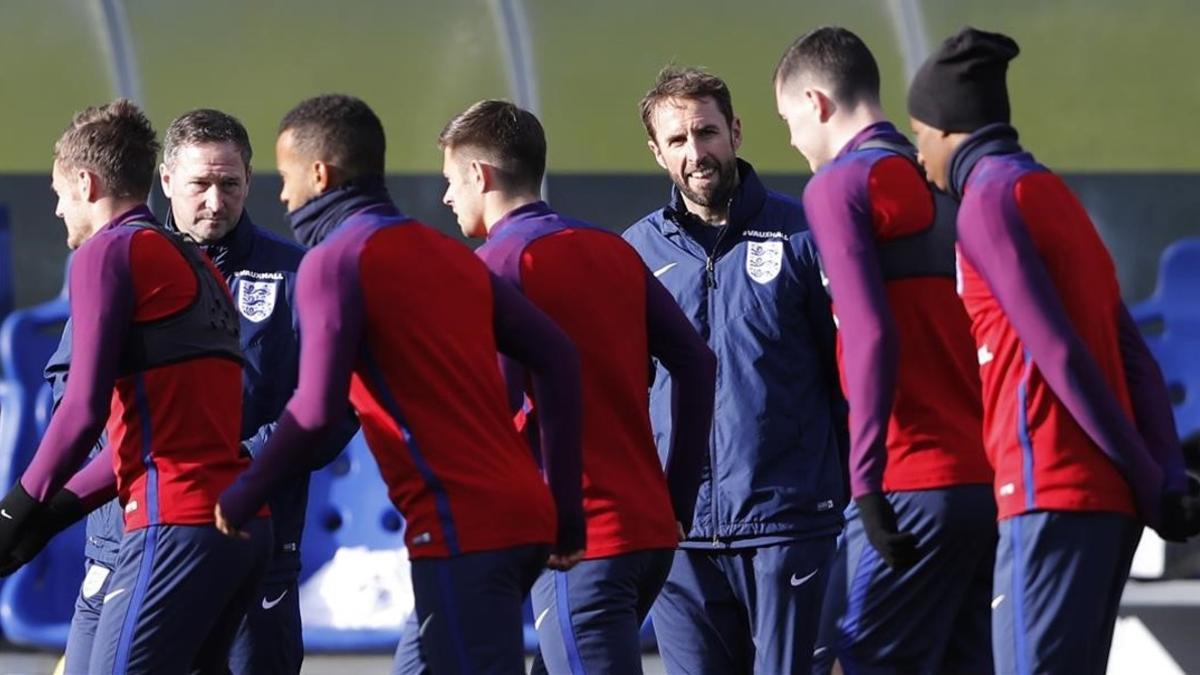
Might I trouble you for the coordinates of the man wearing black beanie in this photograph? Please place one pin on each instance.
(1077, 421)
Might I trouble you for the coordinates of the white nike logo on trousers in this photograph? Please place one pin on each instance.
(268, 604)
(664, 269)
(797, 581)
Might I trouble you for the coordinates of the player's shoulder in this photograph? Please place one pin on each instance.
(110, 246)
(993, 181)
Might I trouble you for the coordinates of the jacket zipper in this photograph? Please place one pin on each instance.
(710, 281)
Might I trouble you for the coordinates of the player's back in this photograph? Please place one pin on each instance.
(933, 433)
(176, 404)
(1043, 458)
(593, 285)
(430, 397)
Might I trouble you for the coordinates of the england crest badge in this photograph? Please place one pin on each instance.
(256, 299)
(764, 259)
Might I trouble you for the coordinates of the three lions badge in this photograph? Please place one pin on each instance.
(764, 259)
(256, 297)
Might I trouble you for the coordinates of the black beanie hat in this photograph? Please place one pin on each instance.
(961, 86)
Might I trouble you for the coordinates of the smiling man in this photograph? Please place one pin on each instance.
(745, 590)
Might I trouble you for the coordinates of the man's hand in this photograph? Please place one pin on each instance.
(564, 561)
(62, 511)
(225, 527)
(898, 549)
(16, 510)
(1180, 513)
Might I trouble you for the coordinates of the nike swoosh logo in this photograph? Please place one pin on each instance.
(113, 594)
(820, 650)
(424, 626)
(541, 617)
(664, 269)
(997, 600)
(4, 512)
(806, 577)
(268, 604)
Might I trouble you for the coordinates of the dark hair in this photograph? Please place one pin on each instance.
(116, 142)
(691, 83)
(511, 138)
(205, 126)
(838, 58)
(340, 130)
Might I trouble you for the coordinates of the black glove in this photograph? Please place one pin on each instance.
(572, 534)
(898, 549)
(62, 511)
(16, 509)
(1181, 513)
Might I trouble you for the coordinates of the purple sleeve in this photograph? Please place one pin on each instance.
(1151, 404)
(838, 211)
(503, 259)
(331, 321)
(96, 483)
(693, 368)
(102, 305)
(996, 242)
(524, 333)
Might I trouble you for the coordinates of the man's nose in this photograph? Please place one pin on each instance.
(212, 198)
(691, 148)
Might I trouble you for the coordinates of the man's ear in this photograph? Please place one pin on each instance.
(480, 176)
(88, 185)
(823, 105)
(735, 132)
(657, 153)
(321, 175)
(164, 179)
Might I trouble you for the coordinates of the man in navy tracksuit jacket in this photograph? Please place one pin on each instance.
(745, 591)
(260, 268)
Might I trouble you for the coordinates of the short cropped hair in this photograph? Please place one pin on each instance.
(205, 126)
(690, 83)
(340, 130)
(509, 137)
(116, 142)
(836, 57)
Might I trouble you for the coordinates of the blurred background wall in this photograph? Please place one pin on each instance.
(1104, 91)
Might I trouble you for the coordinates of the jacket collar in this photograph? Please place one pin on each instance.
(882, 130)
(993, 139)
(531, 210)
(317, 219)
(138, 214)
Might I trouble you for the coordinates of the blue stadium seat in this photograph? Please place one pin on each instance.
(36, 602)
(348, 506)
(1170, 322)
